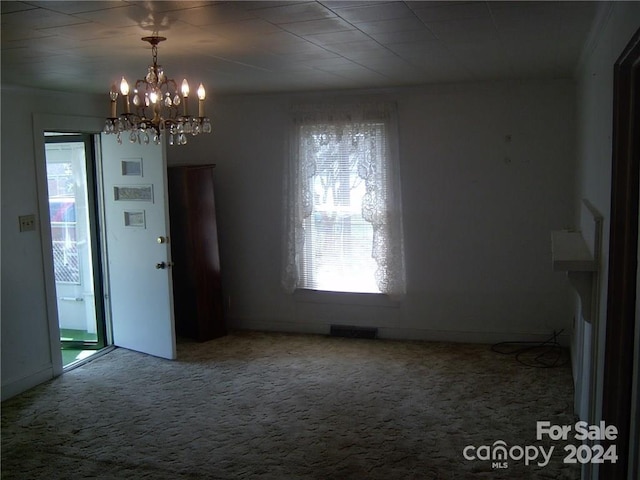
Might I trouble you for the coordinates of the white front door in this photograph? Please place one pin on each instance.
(138, 255)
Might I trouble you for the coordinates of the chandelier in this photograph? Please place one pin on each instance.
(154, 109)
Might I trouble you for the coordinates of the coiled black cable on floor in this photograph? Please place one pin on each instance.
(547, 354)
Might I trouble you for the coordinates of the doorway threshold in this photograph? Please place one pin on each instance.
(82, 357)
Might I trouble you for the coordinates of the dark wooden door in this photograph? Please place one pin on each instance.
(197, 288)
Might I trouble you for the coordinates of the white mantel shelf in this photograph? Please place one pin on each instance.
(570, 253)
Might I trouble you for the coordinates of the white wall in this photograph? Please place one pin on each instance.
(26, 353)
(487, 173)
(478, 214)
(618, 23)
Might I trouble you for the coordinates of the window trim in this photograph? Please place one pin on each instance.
(305, 295)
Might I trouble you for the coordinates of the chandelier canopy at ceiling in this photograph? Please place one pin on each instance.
(153, 110)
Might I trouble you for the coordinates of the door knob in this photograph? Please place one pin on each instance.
(163, 265)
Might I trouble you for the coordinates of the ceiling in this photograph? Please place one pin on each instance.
(264, 46)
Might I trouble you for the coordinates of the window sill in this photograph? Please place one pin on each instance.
(345, 298)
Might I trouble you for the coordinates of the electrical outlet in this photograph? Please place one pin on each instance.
(27, 223)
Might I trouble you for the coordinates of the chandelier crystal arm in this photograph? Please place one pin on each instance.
(156, 102)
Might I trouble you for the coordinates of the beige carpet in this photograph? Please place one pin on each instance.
(278, 406)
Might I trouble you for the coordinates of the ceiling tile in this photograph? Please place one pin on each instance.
(260, 4)
(480, 57)
(298, 12)
(38, 18)
(464, 31)
(419, 49)
(14, 34)
(335, 38)
(428, 12)
(395, 25)
(124, 16)
(11, 6)
(172, 5)
(421, 3)
(368, 46)
(71, 8)
(391, 38)
(23, 53)
(348, 3)
(282, 42)
(525, 17)
(315, 27)
(312, 58)
(546, 34)
(385, 62)
(88, 31)
(246, 28)
(214, 14)
(375, 12)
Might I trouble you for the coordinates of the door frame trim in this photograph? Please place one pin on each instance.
(623, 254)
(64, 124)
(91, 161)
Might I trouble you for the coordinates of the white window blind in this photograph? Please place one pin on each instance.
(343, 226)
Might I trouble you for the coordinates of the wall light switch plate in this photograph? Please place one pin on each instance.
(27, 223)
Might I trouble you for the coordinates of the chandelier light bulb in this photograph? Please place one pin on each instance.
(201, 96)
(185, 94)
(124, 86)
(124, 89)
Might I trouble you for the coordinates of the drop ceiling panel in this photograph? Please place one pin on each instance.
(464, 30)
(296, 12)
(246, 28)
(213, 14)
(123, 16)
(38, 18)
(390, 26)
(391, 38)
(430, 12)
(11, 36)
(375, 12)
(89, 31)
(71, 8)
(10, 7)
(315, 27)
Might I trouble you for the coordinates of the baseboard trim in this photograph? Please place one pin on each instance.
(14, 387)
(398, 333)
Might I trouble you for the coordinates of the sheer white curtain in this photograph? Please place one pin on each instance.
(343, 225)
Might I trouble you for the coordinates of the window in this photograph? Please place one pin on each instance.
(343, 228)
